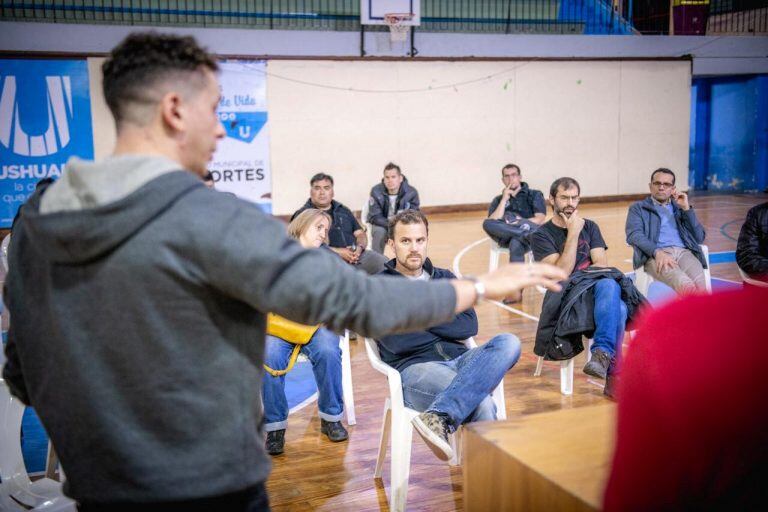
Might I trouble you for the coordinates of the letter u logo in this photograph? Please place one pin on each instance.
(58, 108)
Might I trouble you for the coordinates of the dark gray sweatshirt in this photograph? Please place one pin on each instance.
(137, 300)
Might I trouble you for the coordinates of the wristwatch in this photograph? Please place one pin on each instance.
(479, 288)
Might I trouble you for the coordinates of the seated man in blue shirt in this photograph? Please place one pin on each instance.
(665, 234)
(441, 376)
(346, 237)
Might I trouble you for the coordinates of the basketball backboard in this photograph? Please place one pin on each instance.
(372, 11)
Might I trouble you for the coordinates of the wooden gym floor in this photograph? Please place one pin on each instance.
(315, 474)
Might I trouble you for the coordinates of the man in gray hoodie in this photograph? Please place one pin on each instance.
(138, 300)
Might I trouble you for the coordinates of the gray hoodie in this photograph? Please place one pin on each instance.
(137, 299)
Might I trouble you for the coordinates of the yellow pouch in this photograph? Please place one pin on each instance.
(292, 332)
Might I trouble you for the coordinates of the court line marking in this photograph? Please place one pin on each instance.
(299, 406)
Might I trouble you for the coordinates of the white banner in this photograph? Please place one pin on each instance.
(241, 162)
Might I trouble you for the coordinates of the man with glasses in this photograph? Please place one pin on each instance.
(575, 244)
(665, 234)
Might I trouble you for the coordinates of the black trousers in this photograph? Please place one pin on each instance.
(513, 236)
(253, 499)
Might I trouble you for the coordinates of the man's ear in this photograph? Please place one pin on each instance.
(391, 244)
(171, 111)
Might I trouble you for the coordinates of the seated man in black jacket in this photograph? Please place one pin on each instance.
(346, 237)
(752, 249)
(574, 243)
(393, 195)
(515, 213)
(441, 376)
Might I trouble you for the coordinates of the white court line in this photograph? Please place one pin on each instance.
(727, 280)
(461, 253)
(513, 310)
(303, 404)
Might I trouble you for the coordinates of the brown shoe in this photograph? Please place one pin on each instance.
(598, 365)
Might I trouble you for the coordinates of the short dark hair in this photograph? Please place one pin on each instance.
(511, 166)
(565, 183)
(145, 59)
(663, 170)
(407, 217)
(392, 165)
(320, 177)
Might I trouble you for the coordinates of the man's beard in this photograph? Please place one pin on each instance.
(567, 211)
(410, 265)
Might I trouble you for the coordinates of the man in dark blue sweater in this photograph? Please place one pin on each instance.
(441, 376)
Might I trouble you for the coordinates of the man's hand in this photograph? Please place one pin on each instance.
(513, 278)
(681, 198)
(346, 254)
(509, 280)
(574, 224)
(663, 261)
(505, 193)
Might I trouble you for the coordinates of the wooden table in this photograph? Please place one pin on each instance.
(550, 461)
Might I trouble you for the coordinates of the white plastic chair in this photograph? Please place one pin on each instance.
(750, 280)
(397, 429)
(367, 225)
(496, 251)
(4, 251)
(17, 492)
(566, 370)
(346, 379)
(643, 279)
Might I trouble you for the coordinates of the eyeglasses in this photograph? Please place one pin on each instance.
(661, 184)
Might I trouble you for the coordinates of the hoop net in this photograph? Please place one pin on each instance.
(398, 30)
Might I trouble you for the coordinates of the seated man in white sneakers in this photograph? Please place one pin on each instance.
(441, 376)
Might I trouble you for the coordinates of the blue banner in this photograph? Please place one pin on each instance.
(45, 118)
(241, 162)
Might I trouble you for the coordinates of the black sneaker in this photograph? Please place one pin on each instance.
(334, 430)
(275, 442)
(598, 365)
(433, 428)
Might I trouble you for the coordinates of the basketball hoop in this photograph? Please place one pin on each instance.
(398, 29)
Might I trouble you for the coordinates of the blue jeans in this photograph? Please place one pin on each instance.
(461, 387)
(325, 355)
(610, 316)
(512, 236)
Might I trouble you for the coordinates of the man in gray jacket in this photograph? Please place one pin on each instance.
(665, 234)
(393, 195)
(138, 300)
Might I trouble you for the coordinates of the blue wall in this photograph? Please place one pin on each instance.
(729, 134)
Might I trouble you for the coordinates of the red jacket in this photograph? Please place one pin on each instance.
(692, 416)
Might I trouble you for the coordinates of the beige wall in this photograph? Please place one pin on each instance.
(452, 125)
(103, 126)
